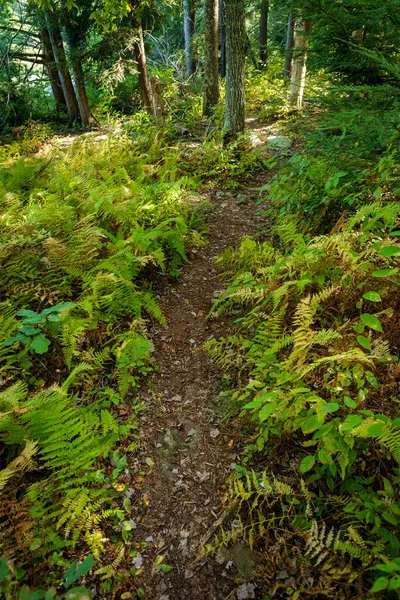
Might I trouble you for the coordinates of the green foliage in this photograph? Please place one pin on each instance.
(83, 237)
(315, 338)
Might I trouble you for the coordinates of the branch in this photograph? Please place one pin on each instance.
(13, 30)
(35, 58)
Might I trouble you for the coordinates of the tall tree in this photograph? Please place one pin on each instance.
(189, 28)
(235, 69)
(76, 24)
(211, 79)
(140, 56)
(57, 46)
(51, 68)
(222, 37)
(287, 70)
(299, 62)
(264, 33)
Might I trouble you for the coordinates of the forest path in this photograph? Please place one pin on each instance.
(182, 430)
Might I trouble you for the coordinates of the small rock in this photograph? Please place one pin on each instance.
(246, 591)
(188, 573)
(214, 433)
(137, 561)
(282, 574)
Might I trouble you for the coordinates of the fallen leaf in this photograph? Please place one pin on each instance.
(203, 476)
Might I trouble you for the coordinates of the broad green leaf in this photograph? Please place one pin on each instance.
(349, 402)
(74, 573)
(389, 251)
(395, 233)
(380, 584)
(372, 296)
(378, 192)
(394, 583)
(371, 321)
(40, 344)
(375, 429)
(331, 407)
(384, 272)
(127, 504)
(29, 330)
(390, 518)
(312, 423)
(165, 568)
(364, 342)
(307, 463)
(265, 412)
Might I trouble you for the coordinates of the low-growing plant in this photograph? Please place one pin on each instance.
(315, 340)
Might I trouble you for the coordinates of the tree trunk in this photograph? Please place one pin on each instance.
(287, 71)
(75, 57)
(264, 34)
(189, 26)
(235, 69)
(84, 109)
(299, 63)
(62, 67)
(222, 38)
(211, 79)
(144, 82)
(50, 65)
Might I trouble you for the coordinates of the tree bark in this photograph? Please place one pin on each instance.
(84, 109)
(189, 27)
(211, 79)
(222, 38)
(50, 65)
(144, 82)
(235, 69)
(299, 63)
(264, 34)
(62, 67)
(287, 71)
(75, 57)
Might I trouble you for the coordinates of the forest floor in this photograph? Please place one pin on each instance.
(184, 435)
(183, 430)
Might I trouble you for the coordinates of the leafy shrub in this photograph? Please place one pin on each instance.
(82, 239)
(317, 343)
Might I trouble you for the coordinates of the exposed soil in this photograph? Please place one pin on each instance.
(182, 429)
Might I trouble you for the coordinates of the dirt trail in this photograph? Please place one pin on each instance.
(182, 431)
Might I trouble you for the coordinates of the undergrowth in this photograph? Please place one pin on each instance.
(83, 237)
(312, 363)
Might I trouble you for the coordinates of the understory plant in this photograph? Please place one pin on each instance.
(315, 358)
(84, 237)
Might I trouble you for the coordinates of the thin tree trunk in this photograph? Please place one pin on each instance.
(235, 69)
(264, 34)
(287, 71)
(50, 65)
(144, 82)
(211, 79)
(189, 26)
(62, 67)
(84, 109)
(75, 58)
(222, 38)
(299, 63)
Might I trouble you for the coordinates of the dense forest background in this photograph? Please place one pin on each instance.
(139, 140)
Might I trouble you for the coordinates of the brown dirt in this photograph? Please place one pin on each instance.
(182, 429)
